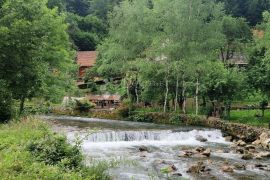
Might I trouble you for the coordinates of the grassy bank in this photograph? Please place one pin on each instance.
(29, 150)
(248, 117)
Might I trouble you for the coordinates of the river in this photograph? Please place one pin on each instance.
(146, 150)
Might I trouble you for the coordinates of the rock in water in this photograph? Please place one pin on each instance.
(201, 139)
(266, 143)
(228, 138)
(143, 148)
(186, 154)
(262, 155)
(239, 166)
(241, 143)
(227, 169)
(247, 156)
(200, 149)
(197, 168)
(207, 152)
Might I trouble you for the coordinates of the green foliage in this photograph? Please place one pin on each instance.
(55, 150)
(50, 156)
(34, 47)
(83, 105)
(259, 68)
(250, 9)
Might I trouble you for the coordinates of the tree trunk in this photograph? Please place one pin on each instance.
(22, 104)
(184, 98)
(136, 92)
(197, 93)
(176, 95)
(166, 95)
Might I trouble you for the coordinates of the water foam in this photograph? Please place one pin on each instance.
(114, 139)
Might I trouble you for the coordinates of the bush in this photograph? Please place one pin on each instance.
(5, 102)
(141, 117)
(84, 105)
(29, 150)
(55, 150)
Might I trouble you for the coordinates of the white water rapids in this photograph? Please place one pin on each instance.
(119, 140)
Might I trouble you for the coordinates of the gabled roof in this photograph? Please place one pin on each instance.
(86, 58)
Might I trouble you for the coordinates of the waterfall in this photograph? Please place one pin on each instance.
(120, 136)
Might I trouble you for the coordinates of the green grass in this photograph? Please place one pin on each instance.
(17, 162)
(248, 117)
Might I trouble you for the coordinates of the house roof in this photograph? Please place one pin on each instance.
(104, 97)
(86, 58)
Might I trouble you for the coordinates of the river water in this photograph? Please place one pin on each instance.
(121, 141)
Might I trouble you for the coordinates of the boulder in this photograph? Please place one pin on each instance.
(247, 156)
(241, 143)
(262, 155)
(263, 137)
(197, 168)
(227, 169)
(249, 147)
(201, 139)
(206, 152)
(266, 143)
(240, 150)
(143, 148)
(257, 142)
(239, 166)
(228, 138)
(200, 149)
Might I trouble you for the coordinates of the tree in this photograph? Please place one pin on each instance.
(86, 32)
(155, 38)
(251, 10)
(238, 34)
(222, 86)
(34, 47)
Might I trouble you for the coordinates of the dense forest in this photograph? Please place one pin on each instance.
(163, 52)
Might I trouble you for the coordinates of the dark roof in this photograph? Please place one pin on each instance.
(86, 58)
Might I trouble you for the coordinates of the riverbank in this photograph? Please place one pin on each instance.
(30, 150)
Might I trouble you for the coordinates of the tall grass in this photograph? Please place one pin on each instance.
(29, 150)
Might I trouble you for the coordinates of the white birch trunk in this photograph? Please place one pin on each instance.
(184, 96)
(176, 95)
(197, 92)
(166, 96)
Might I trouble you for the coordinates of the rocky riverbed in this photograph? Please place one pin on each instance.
(148, 151)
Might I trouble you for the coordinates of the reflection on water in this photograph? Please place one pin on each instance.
(108, 139)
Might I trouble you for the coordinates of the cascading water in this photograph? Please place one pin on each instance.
(107, 140)
(115, 136)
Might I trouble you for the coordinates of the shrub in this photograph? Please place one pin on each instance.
(84, 105)
(27, 144)
(55, 150)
